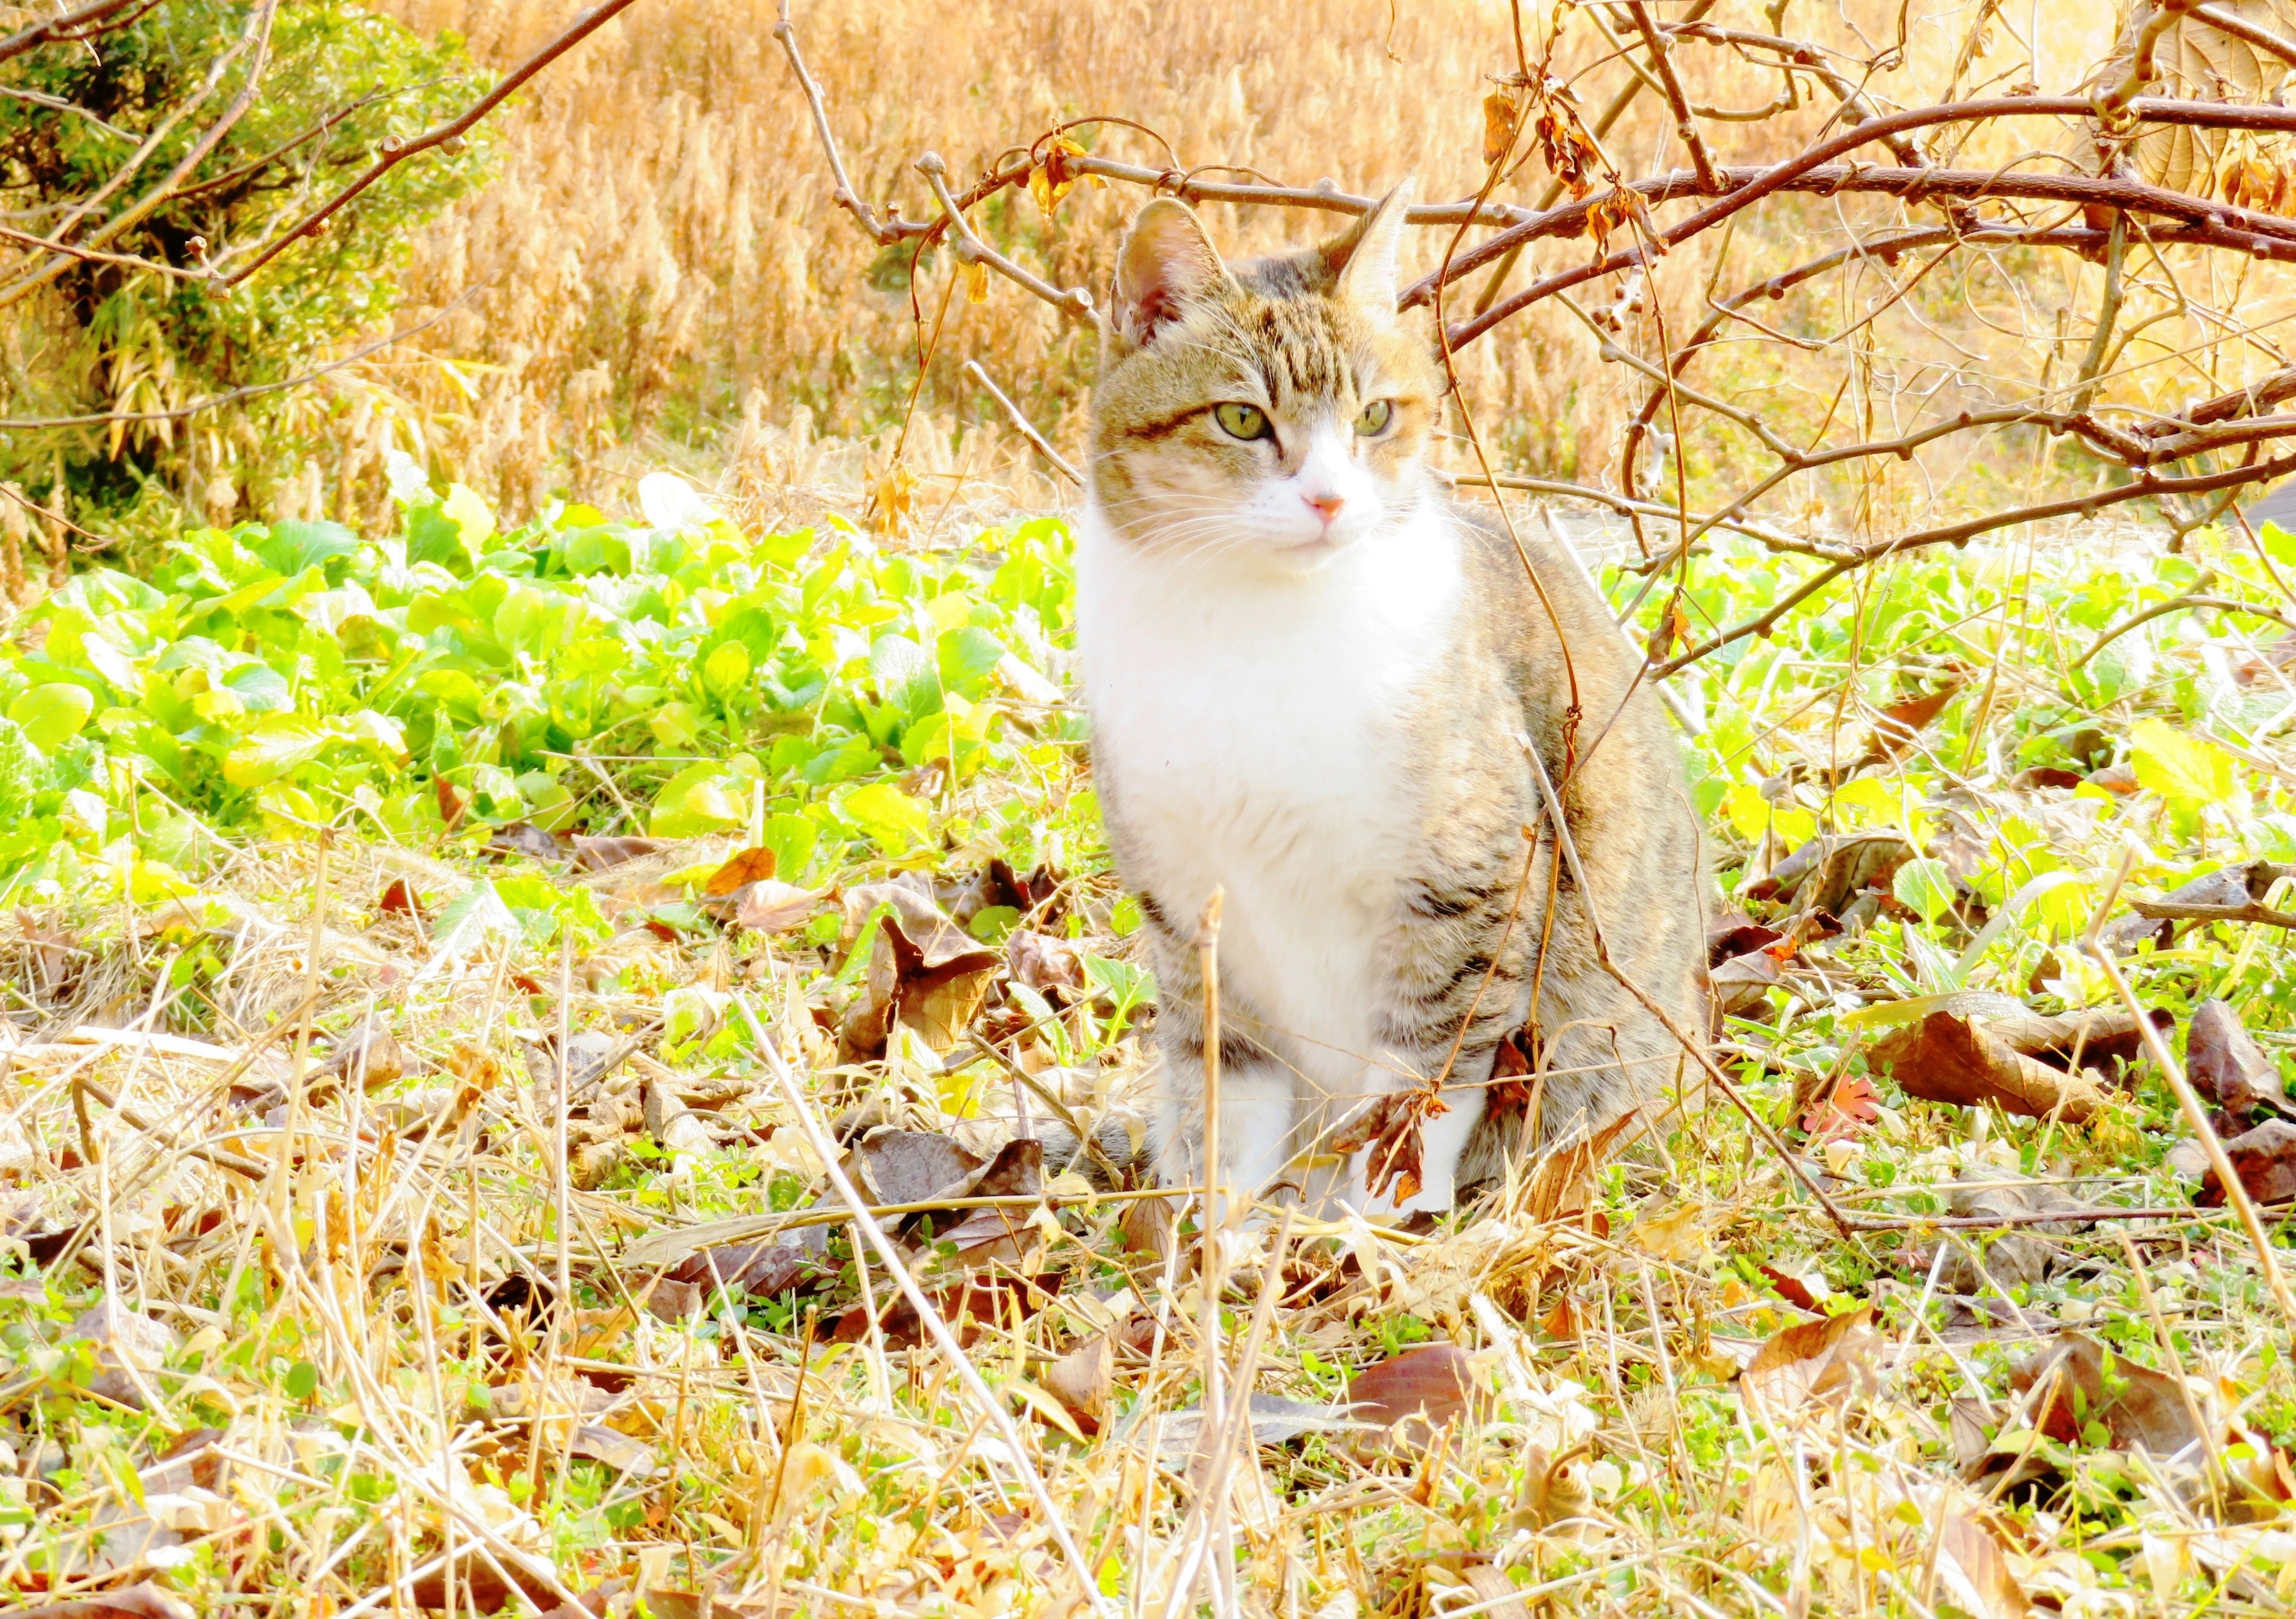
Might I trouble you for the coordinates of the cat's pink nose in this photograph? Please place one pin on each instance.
(1326, 506)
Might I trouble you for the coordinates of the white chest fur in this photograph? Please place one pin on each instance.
(1251, 724)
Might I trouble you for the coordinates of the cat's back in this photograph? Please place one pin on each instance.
(1618, 765)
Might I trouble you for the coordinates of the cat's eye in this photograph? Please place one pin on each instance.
(1241, 420)
(1375, 418)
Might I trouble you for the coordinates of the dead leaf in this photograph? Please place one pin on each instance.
(1900, 724)
(772, 907)
(1552, 1492)
(2223, 1062)
(2079, 1392)
(911, 1165)
(1043, 963)
(1414, 1394)
(1812, 1362)
(1735, 934)
(1742, 983)
(128, 1349)
(1495, 1593)
(451, 803)
(1005, 1235)
(1004, 1301)
(1947, 1057)
(1973, 1572)
(523, 838)
(2103, 1038)
(1081, 1380)
(749, 866)
(2021, 1255)
(1390, 1125)
(924, 973)
(1828, 871)
(1793, 1290)
(1502, 116)
(1679, 1236)
(766, 1269)
(366, 1054)
(1848, 1105)
(1562, 1177)
(399, 900)
(617, 1450)
(601, 854)
(2265, 1160)
(1146, 1227)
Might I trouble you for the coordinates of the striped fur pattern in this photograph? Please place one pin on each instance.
(1313, 680)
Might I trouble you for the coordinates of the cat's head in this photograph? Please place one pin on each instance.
(1269, 412)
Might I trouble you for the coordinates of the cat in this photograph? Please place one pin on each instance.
(1313, 679)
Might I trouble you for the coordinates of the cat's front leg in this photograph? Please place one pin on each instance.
(1256, 1093)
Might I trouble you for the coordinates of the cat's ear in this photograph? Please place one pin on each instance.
(1363, 261)
(1166, 263)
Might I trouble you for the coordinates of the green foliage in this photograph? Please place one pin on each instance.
(336, 83)
(275, 679)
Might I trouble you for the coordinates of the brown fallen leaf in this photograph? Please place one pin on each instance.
(746, 867)
(1552, 1492)
(1003, 1300)
(451, 802)
(2265, 1160)
(664, 1603)
(523, 837)
(128, 1348)
(989, 1235)
(1564, 1176)
(925, 973)
(1811, 1361)
(2022, 1254)
(1733, 934)
(1826, 872)
(1680, 1236)
(2223, 1062)
(1742, 983)
(1392, 1127)
(1146, 1227)
(1846, 1106)
(2046, 775)
(1081, 1380)
(367, 1055)
(2101, 1036)
(603, 854)
(1972, 1571)
(1043, 963)
(1494, 1593)
(1900, 725)
(1415, 1394)
(2080, 1393)
(400, 900)
(771, 907)
(1792, 1289)
(897, 1166)
(1946, 1057)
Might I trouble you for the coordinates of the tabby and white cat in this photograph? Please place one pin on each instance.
(1313, 679)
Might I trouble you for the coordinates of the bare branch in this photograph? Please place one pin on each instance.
(81, 24)
(1075, 302)
(394, 152)
(1685, 127)
(1027, 429)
